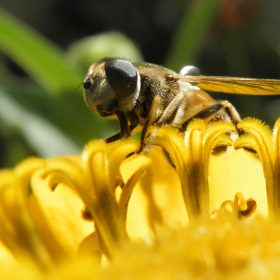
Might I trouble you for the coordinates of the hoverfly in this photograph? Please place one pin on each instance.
(141, 94)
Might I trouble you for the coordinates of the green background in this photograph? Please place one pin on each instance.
(46, 48)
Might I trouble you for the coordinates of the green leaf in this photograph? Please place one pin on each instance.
(41, 59)
(45, 138)
(191, 33)
(89, 49)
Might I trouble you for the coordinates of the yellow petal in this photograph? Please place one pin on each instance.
(58, 215)
(17, 229)
(157, 198)
(237, 171)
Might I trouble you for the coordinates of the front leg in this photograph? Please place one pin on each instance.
(167, 117)
(170, 114)
(125, 128)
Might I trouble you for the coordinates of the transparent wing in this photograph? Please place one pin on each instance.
(234, 85)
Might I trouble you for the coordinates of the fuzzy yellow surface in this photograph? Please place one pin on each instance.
(182, 209)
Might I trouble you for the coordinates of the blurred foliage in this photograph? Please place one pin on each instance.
(191, 33)
(51, 117)
(92, 48)
(41, 59)
(42, 111)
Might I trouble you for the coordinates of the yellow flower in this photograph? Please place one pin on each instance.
(199, 204)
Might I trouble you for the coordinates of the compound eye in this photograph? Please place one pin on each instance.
(122, 76)
(87, 83)
(190, 71)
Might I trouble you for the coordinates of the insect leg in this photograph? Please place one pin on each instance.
(125, 129)
(233, 112)
(113, 138)
(174, 112)
(120, 134)
(150, 119)
(213, 109)
(171, 115)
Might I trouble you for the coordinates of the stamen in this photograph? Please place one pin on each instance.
(239, 207)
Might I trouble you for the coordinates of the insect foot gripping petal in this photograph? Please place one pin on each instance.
(233, 112)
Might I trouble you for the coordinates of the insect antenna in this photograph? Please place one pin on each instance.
(75, 90)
